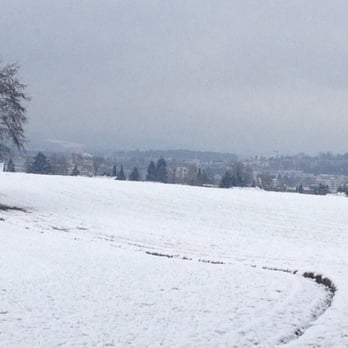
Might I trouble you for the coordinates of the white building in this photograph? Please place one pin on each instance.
(332, 181)
(181, 172)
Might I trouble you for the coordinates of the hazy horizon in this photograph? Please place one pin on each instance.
(61, 146)
(242, 77)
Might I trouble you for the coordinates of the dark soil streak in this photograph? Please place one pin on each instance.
(7, 207)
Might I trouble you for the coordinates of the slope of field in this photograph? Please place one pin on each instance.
(96, 262)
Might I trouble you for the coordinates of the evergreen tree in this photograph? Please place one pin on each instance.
(121, 175)
(75, 171)
(134, 175)
(41, 165)
(161, 170)
(227, 180)
(240, 175)
(202, 177)
(343, 189)
(191, 175)
(321, 189)
(114, 171)
(199, 177)
(11, 166)
(151, 172)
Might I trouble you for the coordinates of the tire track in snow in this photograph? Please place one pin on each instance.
(319, 279)
(299, 331)
(318, 311)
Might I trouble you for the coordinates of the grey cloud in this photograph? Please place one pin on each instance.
(240, 76)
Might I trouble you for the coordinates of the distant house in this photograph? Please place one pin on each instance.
(332, 181)
(21, 163)
(309, 190)
(181, 173)
(84, 162)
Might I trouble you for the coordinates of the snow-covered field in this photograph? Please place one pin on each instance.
(101, 263)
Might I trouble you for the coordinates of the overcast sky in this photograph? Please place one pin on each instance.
(237, 76)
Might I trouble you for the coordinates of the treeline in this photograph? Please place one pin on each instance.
(240, 174)
(156, 171)
(343, 189)
(42, 165)
(323, 163)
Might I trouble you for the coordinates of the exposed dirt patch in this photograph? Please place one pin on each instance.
(63, 229)
(5, 207)
(211, 261)
(322, 280)
(160, 254)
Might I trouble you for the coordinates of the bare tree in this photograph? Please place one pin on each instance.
(12, 109)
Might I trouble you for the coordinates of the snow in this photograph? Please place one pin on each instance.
(101, 263)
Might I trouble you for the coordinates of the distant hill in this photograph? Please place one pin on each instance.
(179, 155)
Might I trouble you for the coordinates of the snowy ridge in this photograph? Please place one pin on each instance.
(100, 263)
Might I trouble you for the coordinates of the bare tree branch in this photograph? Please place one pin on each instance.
(12, 109)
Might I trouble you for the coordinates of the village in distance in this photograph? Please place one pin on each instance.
(317, 174)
